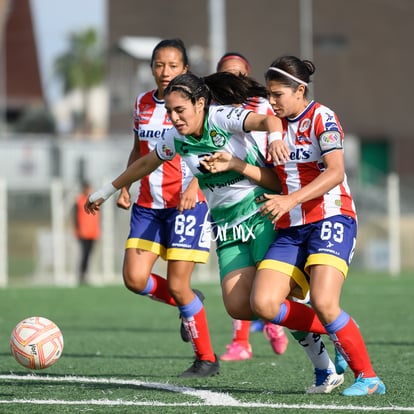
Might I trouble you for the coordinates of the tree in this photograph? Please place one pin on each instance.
(81, 67)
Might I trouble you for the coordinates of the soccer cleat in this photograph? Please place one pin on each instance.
(183, 331)
(340, 364)
(202, 369)
(237, 352)
(257, 326)
(365, 386)
(275, 334)
(325, 381)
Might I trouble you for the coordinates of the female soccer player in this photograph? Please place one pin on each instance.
(201, 129)
(169, 215)
(316, 221)
(240, 348)
(328, 375)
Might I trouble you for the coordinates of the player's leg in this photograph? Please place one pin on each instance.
(326, 377)
(327, 274)
(188, 242)
(292, 261)
(344, 332)
(239, 348)
(237, 269)
(144, 245)
(193, 316)
(249, 253)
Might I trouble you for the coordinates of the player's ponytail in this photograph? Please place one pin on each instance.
(229, 89)
(222, 87)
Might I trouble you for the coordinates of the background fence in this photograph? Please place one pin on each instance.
(40, 179)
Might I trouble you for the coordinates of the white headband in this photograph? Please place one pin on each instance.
(288, 75)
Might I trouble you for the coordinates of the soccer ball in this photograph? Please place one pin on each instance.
(36, 343)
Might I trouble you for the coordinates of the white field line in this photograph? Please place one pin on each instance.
(208, 398)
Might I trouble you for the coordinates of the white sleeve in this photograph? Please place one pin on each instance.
(231, 118)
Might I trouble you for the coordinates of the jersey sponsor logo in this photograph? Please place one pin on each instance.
(330, 122)
(145, 114)
(221, 184)
(235, 112)
(302, 139)
(300, 154)
(331, 126)
(152, 133)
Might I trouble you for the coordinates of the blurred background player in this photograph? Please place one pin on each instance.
(87, 231)
(240, 347)
(168, 217)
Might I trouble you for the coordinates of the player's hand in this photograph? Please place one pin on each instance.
(218, 162)
(277, 206)
(124, 199)
(93, 207)
(187, 201)
(95, 199)
(279, 151)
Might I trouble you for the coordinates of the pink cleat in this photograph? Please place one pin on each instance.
(237, 352)
(275, 334)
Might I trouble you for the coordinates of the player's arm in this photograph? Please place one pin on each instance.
(223, 161)
(273, 125)
(137, 170)
(124, 198)
(188, 197)
(276, 205)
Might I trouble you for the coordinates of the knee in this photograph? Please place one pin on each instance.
(176, 290)
(238, 309)
(264, 308)
(134, 282)
(325, 307)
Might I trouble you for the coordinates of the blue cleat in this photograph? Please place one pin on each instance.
(340, 364)
(365, 386)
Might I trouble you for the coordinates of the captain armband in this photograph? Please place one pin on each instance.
(330, 140)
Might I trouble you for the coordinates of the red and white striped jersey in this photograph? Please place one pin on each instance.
(163, 187)
(309, 136)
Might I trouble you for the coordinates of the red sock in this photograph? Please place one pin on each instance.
(159, 290)
(349, 342)
(197, 327)
(241, 332)
(301, 317)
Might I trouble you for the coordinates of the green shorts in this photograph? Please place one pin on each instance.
(245, 245)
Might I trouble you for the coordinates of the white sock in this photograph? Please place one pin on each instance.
(316, 351)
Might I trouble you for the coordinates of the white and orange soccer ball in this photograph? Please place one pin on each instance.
(36, 342)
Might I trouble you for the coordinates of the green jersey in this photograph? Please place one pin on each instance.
(230, 195)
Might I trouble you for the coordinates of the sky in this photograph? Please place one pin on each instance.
(53, 22)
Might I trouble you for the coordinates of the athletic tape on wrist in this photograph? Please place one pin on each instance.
(105, 192)
(275, 136)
